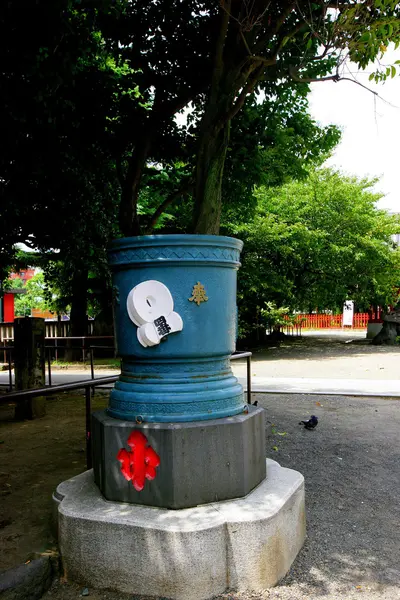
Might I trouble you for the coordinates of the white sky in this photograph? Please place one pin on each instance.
(370, 143)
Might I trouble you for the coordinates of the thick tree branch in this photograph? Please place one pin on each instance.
(247, 89)
(255, 75)
(296, 77)
(275, 28)
(184, 188)
(118, 167)
(220, 45)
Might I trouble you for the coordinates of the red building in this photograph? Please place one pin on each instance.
(7, 313)
(25, 275)
(7, 305)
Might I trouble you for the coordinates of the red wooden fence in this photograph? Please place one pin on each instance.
(320, 321)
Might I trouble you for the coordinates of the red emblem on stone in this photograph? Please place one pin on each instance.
(140, 463)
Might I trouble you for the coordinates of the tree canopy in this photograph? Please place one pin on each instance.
(91, 92)
(232, 51)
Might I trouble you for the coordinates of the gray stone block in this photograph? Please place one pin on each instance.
(200, 462)
(26, 582)
(191, 554)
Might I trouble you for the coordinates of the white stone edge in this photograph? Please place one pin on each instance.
(265, 501)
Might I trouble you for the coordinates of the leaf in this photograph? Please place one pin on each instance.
(281, 433)
(393, 71)
(275, 448)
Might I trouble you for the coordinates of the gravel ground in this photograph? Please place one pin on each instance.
(351, 465)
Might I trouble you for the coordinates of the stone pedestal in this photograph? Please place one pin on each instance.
(200, 462)
(373, 329)
(178, 505)
(29, 364)
(189, 554)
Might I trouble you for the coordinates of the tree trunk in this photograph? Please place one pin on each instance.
(209, 171)
(128, 215)
(78, 318)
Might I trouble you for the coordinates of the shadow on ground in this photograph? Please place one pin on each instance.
(351, 465)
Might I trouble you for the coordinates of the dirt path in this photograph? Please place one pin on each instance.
(35, 457)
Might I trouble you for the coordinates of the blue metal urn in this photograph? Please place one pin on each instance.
(175, 325)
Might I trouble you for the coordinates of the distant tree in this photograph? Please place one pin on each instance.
(315, 243)
(35, 296)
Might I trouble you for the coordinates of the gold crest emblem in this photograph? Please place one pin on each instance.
(198, 294)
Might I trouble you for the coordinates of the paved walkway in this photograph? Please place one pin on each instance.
(298, 385)
(339, 362)
(307, 385)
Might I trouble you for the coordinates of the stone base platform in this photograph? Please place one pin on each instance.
(188, 554)
(200, 461)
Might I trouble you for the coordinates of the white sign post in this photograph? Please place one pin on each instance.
(348, 313)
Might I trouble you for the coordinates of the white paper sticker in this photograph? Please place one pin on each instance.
(151, 307)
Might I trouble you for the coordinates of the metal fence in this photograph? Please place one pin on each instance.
(88, 385)
(54, 329)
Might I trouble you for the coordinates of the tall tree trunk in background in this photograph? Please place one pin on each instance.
(213, 141)
(78, 317)
(128, 215)
(209, 171)
(234, 76)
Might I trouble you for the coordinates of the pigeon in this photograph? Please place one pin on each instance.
(255, 403)
(311, 423)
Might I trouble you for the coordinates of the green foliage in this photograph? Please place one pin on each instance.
(62, 99)
(368, 28)
(272, 143)
(314, 244)
(91, 91)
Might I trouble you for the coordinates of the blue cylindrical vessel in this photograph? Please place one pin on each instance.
(187, 377)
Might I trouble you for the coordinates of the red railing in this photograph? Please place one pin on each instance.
(321, 321)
